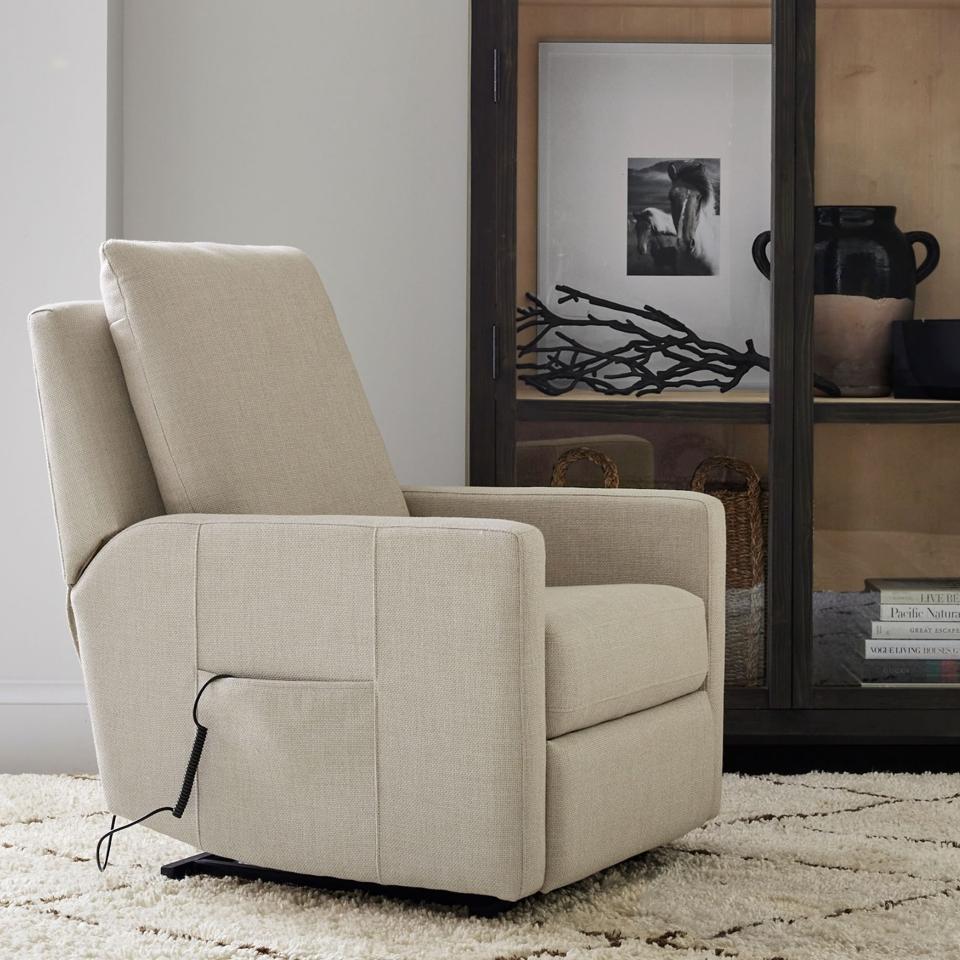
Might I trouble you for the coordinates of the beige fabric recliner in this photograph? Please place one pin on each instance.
(489, 691)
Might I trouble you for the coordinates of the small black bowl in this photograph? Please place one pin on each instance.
(926, 359)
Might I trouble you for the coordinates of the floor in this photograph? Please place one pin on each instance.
(815, 866)
(841, 758)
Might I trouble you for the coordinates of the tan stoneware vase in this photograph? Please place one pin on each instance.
(865, 278)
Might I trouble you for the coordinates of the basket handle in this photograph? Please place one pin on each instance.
(718, 464)
(611, 475)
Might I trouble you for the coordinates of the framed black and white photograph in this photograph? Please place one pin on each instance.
(669, 199)
(654, 179)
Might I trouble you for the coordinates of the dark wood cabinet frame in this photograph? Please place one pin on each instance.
(789, 709)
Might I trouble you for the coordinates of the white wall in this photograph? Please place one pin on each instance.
(336, 125)
(53, 198)
(340, 127)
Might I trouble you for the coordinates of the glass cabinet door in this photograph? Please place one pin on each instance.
(643, 193)
(886, 560)
(884, 618)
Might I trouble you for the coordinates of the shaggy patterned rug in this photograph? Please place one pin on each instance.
(814, 867)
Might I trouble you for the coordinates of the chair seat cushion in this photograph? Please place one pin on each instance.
(614, 649)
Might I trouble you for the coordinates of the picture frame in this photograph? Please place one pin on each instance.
(654, 179)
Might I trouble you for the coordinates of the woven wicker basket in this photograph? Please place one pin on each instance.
(745, 503)
(742, 501)
(611, 475)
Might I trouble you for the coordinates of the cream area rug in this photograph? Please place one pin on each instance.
(811, 867)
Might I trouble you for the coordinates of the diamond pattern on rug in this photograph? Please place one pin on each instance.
(813, 867)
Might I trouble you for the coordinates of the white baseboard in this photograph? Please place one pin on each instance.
(28, 692)
(46, 729)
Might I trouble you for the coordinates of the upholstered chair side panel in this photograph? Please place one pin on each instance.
(617, 536)
(100, 474)
(387, 691)
(134, 611)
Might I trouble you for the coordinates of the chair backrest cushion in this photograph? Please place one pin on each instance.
(100, 473)
(242, 383)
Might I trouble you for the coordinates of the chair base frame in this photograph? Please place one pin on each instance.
(211, 865)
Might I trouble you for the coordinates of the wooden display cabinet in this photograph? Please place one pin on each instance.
(864, 112)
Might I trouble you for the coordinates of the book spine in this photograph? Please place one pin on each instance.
(907, 684)
(920, 596)
(916, 611)
(912, 650)
(910, 671)
(907, 630)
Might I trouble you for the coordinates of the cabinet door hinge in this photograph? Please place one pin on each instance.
(496, 75)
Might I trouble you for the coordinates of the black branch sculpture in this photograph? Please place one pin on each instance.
(646, 362)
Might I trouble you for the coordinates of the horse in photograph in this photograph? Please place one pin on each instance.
(657, 238)
(693, 202)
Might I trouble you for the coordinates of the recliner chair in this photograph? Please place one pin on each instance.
(481, 690)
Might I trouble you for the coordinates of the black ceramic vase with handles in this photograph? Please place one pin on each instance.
(865, 278)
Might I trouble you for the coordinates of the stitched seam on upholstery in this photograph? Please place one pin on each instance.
(523, 725)
(72, 621)
(146, 379)
(165, 519)
(717, 720)
(515, 492)
(711, 638)
(631, 693)
(212, 519)
(711, 746)
(364, 523)
(306, 681)
(583, 725)
(376, 704)
(717, 739)
(196, 648)
(46, 457)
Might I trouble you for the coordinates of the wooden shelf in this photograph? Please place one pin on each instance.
(737, 406)
(885, 410)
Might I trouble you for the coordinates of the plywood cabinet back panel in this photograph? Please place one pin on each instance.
(602, 22)
(888, 126)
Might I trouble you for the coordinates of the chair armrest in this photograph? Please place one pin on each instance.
(592, 536)
(442, 617)
(603, 536)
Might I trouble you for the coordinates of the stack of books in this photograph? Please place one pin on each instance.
(915, 638)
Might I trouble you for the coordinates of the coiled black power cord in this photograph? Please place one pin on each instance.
(186, 789)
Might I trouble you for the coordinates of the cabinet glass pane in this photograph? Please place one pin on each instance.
(727, 460)
(886, 509)
(885, 512)
(643, 179)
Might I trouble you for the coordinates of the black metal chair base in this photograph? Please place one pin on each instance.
(210, 865)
